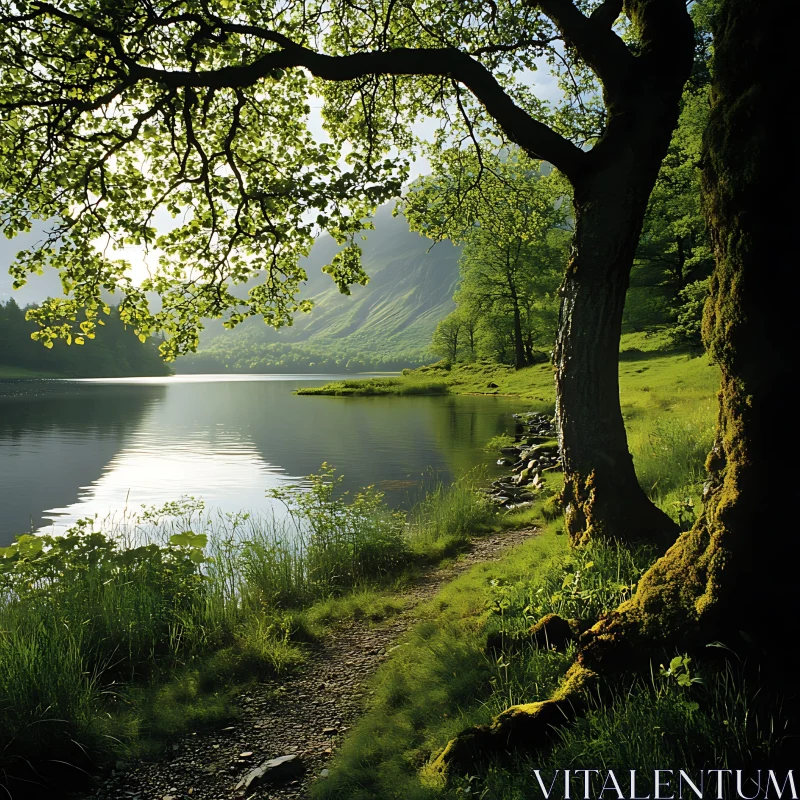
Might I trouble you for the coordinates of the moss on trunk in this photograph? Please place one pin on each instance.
(731, 577)
(730, 573)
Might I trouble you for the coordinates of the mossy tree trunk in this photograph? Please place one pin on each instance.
(731, 573)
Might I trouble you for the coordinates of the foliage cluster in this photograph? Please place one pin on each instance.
(674, 258)
(513, 222)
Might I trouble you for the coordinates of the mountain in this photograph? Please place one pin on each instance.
(386, 324)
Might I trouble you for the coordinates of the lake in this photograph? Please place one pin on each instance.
(71, 449)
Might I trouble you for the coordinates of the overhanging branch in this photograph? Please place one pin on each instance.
(536, 138)
(594, 39)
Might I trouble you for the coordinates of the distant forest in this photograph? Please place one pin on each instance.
(117, 352)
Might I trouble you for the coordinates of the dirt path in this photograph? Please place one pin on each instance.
(304, 716)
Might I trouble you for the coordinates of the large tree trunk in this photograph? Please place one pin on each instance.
(602, 496)
(731, 573)
(730, 578)
(519, 345)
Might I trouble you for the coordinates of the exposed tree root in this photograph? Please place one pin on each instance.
(529, 725)
(551, 631)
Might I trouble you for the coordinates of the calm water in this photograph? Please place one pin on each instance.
(74, 449)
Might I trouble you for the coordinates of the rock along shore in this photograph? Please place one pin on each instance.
(534, 452)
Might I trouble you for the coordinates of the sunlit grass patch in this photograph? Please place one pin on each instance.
(448, 515)
(366, 387)
(368, 603)
(443, 679)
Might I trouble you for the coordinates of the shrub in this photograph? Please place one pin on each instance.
(344, 543)
(496, 443)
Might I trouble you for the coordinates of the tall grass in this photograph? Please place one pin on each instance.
(448, 514)
(81, 615)
(94, 622)
(652, 723)
(670, 452)
(585, 583)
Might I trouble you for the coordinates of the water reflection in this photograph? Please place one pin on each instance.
(56, 439)
(71, 449)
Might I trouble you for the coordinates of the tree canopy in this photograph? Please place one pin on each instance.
(513, 222)
(113, 115)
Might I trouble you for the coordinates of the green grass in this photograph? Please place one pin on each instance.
(448, 516)
(442, 680)
(108, 650)
(366, 602)
(367, 387)
(648, 723)
(87, 621)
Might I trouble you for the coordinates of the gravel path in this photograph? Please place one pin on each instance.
(305, 716)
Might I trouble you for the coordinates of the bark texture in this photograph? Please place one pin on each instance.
(602, 496)
(730, 573)
(731, 578)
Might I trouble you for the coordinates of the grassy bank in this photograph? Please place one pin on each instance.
(469, 657)
(668, 402)
(639, 353)
(109, 648)
(445, 678)
(369, 387)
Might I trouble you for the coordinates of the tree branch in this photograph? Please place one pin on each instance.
(605, 15)
(536, 138)
(593, 38)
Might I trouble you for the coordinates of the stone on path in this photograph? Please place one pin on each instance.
(276, 769)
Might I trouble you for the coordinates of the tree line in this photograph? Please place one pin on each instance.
(118, 352)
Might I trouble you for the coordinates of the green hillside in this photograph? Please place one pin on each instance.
(386, 324)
